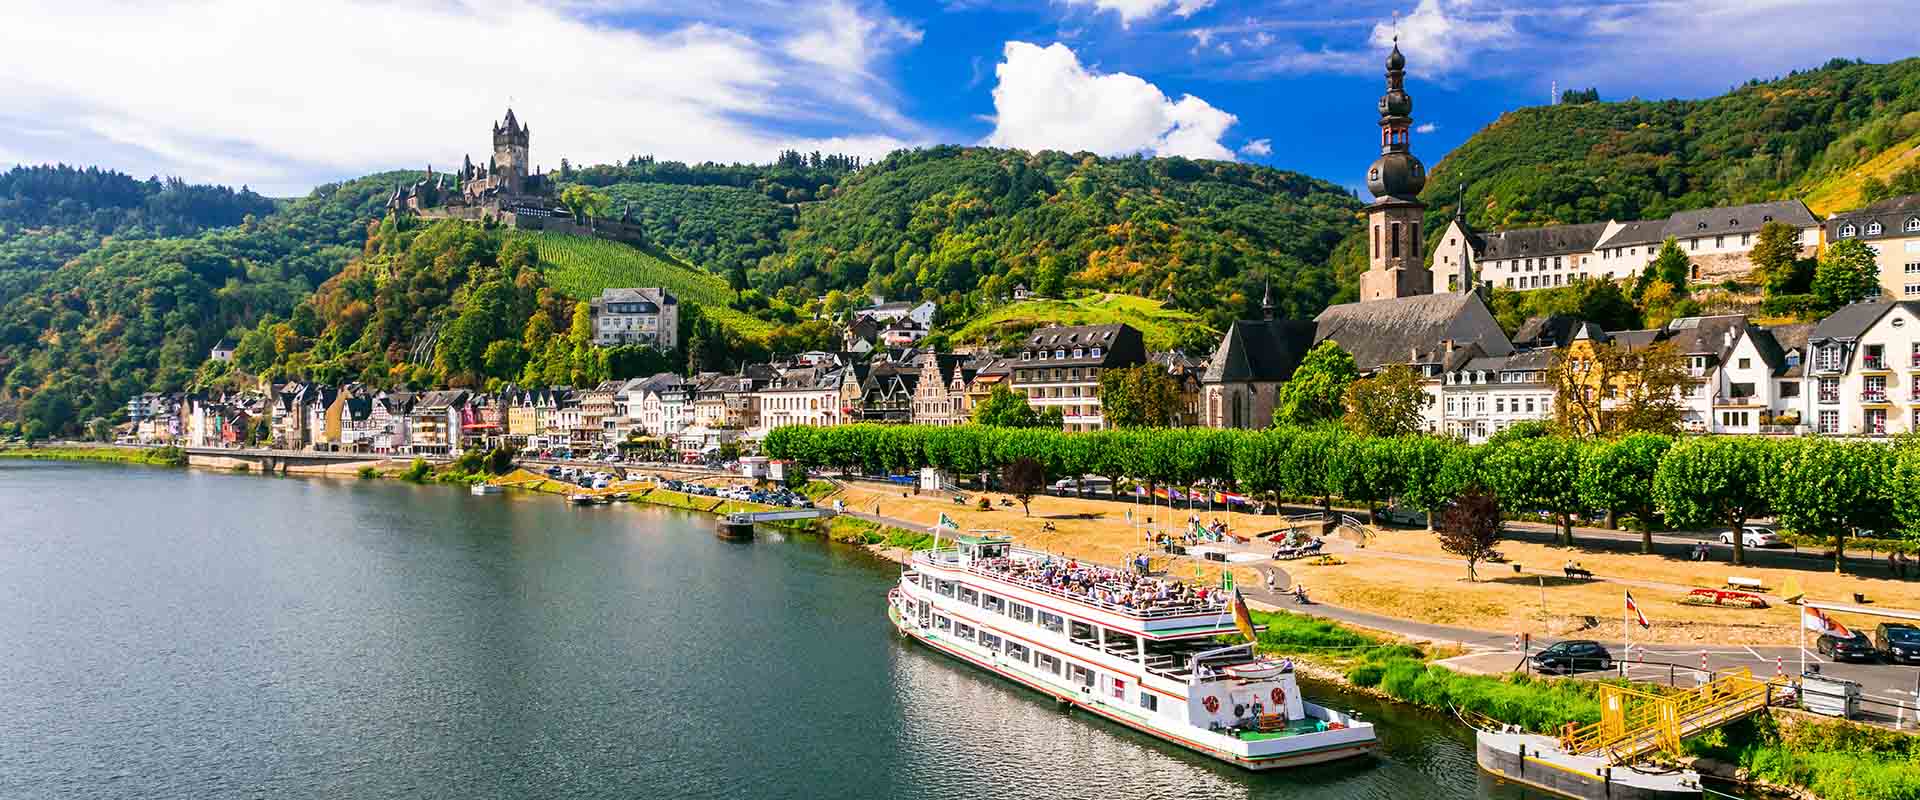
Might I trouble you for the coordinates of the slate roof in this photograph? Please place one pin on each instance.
(1120, 345)
(1893, 214)
(1554, 330)
(651, 296)
(1739, 219)
(1712, 335)
(1553, 240)
(1636, 233)
(1850, 321)
(1259, 350)
(1412, 329)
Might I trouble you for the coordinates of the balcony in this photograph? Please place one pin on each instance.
(1874, 397)
(1873, 363)
(1829, 397)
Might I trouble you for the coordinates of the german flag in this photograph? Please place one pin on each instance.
(1242, 618)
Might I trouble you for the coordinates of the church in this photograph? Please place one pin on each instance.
(1399, 318)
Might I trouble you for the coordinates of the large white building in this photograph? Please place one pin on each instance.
(636, 316)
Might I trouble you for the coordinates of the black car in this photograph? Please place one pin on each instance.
(1847, 648)
(1899, 643)
(1572, 656)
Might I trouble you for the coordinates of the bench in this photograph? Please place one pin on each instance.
(1578, 572)
(1745, 583)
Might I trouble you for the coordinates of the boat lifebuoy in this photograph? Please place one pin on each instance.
(1212, 703)
(1279, 696)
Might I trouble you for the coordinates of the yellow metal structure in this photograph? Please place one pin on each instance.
(1634, 723)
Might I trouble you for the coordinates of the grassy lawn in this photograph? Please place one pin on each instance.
(1163, 328)
(580, 267)
(164, 456)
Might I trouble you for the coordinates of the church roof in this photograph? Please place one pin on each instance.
(1414, 329)
(1259, 350)
(1636, 233)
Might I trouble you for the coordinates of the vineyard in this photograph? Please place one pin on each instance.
(1163, 328)
(580, 267)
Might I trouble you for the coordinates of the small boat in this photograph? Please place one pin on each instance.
(622, 496)
(484, 489)
(580, 499)
(736, 526)
(603, 500)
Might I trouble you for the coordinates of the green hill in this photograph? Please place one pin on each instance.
(580, 267)
(1162, 327)
(968, 224)
(1807, 134)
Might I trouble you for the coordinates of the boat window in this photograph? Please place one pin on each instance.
(989, 641)
(962, 630)
(1149, 700)
(1052, 622)
(1080, 675)
(993, 604)
(969, 596)
(1021, 613)
(1049, 663)
(944, 588)
(1082, 632)
(942, 623)
(1017, 652)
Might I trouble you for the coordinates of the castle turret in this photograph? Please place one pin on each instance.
(510, 142)
(1395, 265)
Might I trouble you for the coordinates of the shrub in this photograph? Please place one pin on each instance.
(367, 472)
(417, 471)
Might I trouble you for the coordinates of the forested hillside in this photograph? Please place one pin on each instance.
(969, 224)
(1637, 159)
(134, 314)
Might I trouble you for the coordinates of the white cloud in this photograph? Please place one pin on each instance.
(1257, 147)
(1442, 35)
(1046, 100)
(282, 96)
(1426, 127)
(1131, 11)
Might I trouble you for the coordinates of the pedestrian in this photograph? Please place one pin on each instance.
(1904, 563)
(1893, 564)
(1269, 580)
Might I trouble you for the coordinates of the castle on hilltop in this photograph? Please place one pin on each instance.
(507, 190)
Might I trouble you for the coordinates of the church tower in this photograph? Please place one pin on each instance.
(1396, 267)
(510, 154)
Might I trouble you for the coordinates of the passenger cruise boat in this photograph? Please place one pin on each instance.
(1089, 636)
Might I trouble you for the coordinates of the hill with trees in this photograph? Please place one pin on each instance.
(1805, 135)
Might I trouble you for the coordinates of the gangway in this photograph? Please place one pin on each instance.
(1634, 723)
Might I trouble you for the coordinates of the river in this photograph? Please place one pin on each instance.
(169, 633)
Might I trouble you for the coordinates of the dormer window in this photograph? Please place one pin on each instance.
(1060, 354)
(1026, 356)
(1847, 231)
(1766, 219)
(1913, 225)
(1095, 353)
(1077, 353)
(1703, 225)
(1733, 222)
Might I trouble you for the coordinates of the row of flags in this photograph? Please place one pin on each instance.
(1197, 495)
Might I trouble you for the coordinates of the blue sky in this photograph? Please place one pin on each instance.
(283, 96)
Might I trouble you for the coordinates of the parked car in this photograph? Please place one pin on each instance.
(1900, 643)
(1573, 655)
(1404, 515)
(1846, 648)
(1754, 536)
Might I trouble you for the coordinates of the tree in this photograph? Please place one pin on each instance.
(1537, 475)
(1618, 476)
(1608, 389)
(1423, 462)
(1471, 528)
(1318, 386)
(1671, 266)
(1024, 477)
(584, 202)
(1837, 488)
(100, 429)
(1140, 396)
(1775, 251)
(1847, 274)
(1004, 408)
(1710, 481)
(1386, 404)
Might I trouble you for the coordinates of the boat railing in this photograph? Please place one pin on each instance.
(1185, 610)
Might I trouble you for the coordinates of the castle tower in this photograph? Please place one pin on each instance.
(1395, 265)
(510, 154)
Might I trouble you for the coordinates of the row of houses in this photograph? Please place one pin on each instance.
(1718, 242)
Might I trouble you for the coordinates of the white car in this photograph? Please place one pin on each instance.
(1753, 536)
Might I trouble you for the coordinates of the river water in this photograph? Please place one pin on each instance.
(170, 633)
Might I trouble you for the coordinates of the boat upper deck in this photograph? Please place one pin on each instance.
(1119, 591)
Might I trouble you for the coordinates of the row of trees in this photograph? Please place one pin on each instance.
(1814, 486)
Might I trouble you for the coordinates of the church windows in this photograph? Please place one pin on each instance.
(1393, 241)
(1376, 241)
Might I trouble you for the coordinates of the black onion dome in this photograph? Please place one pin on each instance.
(1396, 103)
(1397, 175)
(1395, 61)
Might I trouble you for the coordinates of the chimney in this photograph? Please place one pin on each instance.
(1447, 344)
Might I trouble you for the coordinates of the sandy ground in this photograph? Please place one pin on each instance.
(1403, 573)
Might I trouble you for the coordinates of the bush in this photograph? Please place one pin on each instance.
(368, 472)
(417, 472)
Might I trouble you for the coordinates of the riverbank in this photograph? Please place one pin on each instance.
(155, 456)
